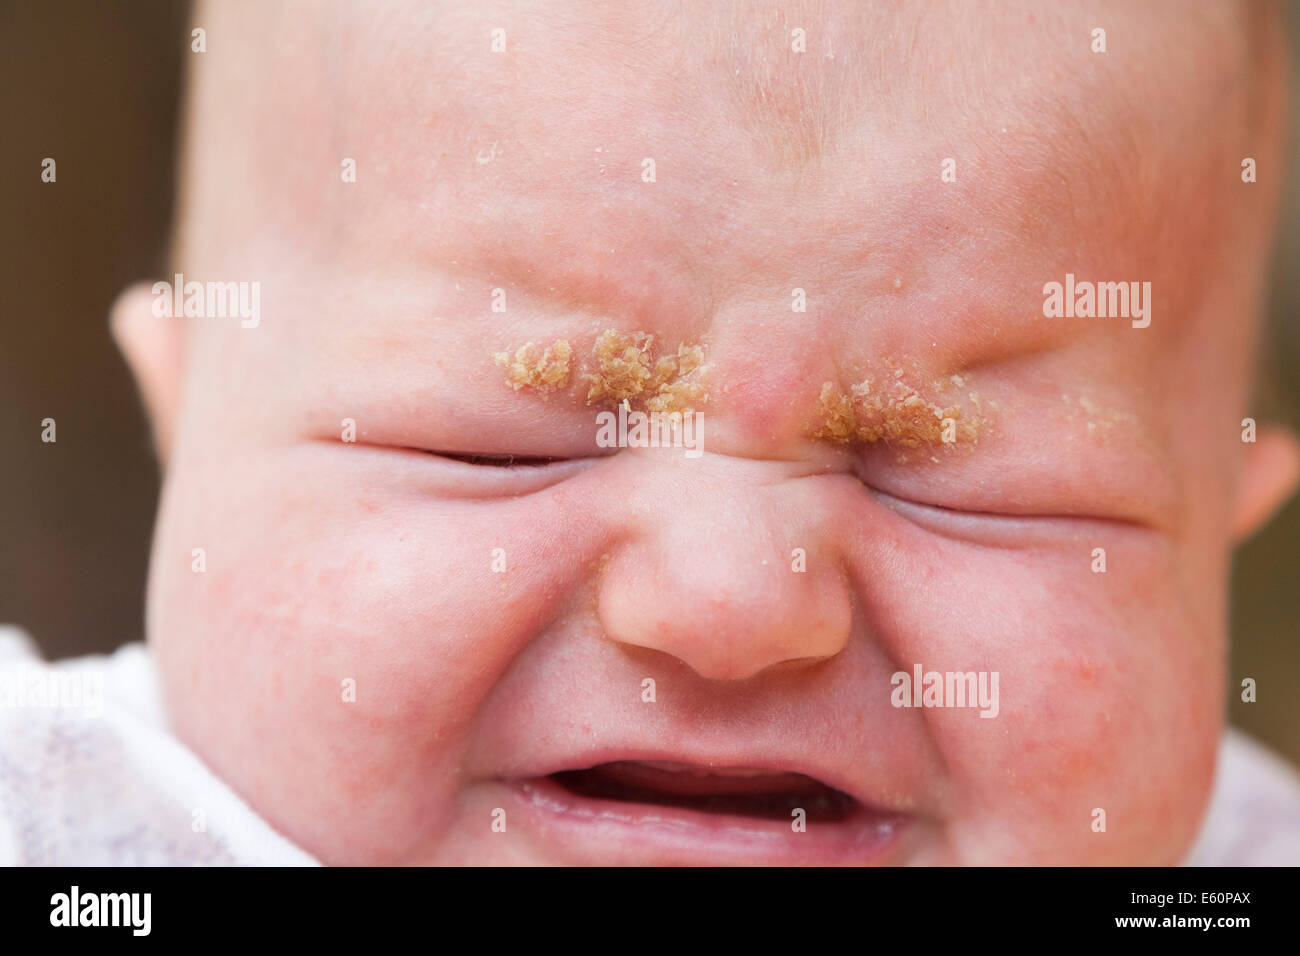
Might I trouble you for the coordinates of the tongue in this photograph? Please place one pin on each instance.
(757, 793)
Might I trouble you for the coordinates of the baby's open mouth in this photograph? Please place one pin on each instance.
(658, 809)
(735, 791)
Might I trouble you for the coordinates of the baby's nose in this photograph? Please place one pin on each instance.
(729, 567)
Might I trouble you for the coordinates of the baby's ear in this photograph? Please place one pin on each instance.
(1268, 477)
(154, 349)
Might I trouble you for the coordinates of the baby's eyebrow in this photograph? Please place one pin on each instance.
(622, 367)
(898, 409)
(901, 414)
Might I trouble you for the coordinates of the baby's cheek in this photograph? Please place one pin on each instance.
(1108, 724)
(329, 658)
(1108, 691)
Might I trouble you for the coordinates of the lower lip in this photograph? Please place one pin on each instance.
(581, 831)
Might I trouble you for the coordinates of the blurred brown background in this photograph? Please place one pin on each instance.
(95, 84)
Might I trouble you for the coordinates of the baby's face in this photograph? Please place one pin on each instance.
(399, 636)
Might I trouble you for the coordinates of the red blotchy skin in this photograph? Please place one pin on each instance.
(373, 561)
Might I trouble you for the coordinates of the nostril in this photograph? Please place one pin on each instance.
(792, 664)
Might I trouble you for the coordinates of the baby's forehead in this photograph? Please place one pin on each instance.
(715, 106)
(652, 163)
(781, 87)
(723, 144)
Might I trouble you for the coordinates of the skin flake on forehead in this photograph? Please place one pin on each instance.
(903, 415)
(538, 369)
(624, 368)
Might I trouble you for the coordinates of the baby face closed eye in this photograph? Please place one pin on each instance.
(946, 567)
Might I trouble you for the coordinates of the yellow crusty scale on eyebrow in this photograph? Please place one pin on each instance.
(680, 381)
(537, 369)
(626, 369)
(622, 366)
(623, 369)
(896, 413)
(839, 420)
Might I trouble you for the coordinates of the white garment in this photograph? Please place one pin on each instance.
(100, 781)
(1254, 814)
